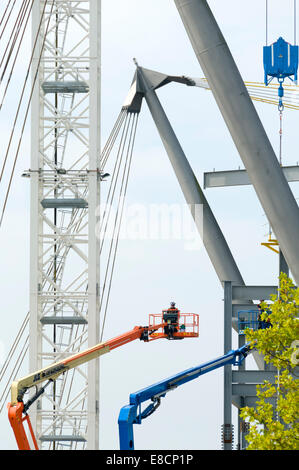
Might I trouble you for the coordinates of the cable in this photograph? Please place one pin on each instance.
(16, 56)
(116, 216)
(7, 19)
(267, 23)
(15, 371)
(23, 91)
(5, 11)
(26, 115)
(14, 346)
(280, 136)
(14, 41)
(112, 138)
(295, 22)
(114, 179)
(14, 32)
(129, 160)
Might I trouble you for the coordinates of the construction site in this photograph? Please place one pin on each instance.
(149, 194)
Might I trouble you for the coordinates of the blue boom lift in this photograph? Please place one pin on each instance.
(131, 414)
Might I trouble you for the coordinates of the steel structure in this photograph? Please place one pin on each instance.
(65, 194)
(145, 83)
(264, 172)
(171, 324)
(132, 414)
(244, 125)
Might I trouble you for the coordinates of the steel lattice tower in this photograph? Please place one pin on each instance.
(65, 195)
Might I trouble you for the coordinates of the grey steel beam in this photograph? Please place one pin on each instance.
(253, 292)
(245, 126)
(65, 87)
(244, 390)
(55, 320)
(71, 203)
(212, 236)
(220, 179)
(253, 376)
(67, 438)
(251, 401)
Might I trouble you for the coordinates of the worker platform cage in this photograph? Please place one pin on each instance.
(249, 319)
(187, 327)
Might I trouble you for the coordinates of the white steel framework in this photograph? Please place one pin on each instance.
(65, 195)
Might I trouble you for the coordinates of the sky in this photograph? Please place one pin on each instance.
(151, 273)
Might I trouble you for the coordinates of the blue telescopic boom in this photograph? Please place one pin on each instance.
(132, 414)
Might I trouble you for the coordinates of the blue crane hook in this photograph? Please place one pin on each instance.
(281, 62)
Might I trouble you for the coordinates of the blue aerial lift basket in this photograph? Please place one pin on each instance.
(251, 319)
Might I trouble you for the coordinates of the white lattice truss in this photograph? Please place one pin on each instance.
(64, 277)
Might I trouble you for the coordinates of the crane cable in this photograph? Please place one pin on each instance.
(267, 20)
(266, 16)
(280, 109)
(280, 104)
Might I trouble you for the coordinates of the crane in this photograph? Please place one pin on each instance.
(173, 325)
(132, 414)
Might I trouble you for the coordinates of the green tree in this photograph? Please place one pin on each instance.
(277, 428)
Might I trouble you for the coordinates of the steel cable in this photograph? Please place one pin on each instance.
(15, 58)
(7, 19)
(15, 369)
(14, 346)
(120, 209)
(23, 21)
(14, 33)
(23, 92)
(26, 115)
(114, 179)
(111, 139)
(5, 11)
(122, 148)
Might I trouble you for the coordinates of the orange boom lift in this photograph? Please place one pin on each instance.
(170, 324)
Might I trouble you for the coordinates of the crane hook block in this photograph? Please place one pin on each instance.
(280, 61)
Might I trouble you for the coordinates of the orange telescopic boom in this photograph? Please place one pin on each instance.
(17, 410)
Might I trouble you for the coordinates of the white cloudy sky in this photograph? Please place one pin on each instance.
(150, 274)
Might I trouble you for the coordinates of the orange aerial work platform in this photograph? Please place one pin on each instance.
(176, 325)
(170, 324)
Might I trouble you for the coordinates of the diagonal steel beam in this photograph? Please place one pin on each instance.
(212, 236)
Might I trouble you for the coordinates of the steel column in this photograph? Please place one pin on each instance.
(93, 239)
(36, 226)
(227, 384)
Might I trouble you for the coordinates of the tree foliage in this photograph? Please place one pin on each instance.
(277, 427)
